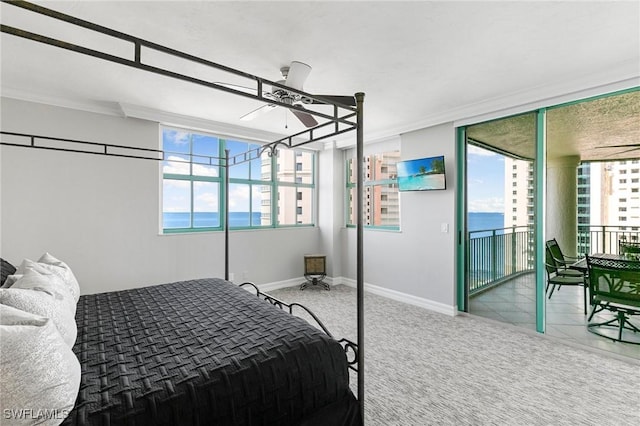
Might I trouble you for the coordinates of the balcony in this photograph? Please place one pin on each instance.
(502, 283)
(499, 255)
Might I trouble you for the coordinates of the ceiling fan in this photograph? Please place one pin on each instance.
(293, 76)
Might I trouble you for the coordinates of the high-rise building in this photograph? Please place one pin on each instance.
(519, 193)
(620, 193)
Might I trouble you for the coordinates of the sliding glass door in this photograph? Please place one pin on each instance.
(497, 220)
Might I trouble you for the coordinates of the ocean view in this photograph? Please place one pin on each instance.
(208, 219)
(475, 221)
(482, 221)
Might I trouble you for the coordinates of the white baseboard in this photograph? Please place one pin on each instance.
(404, 297)
(293, 282)
(380, 291)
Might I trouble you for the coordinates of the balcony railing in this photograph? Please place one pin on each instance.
(496, 255)
(604, 238)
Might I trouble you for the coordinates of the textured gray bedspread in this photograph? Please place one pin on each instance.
(204, 352)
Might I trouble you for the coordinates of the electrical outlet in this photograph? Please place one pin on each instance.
(444, 228)
(231, 276)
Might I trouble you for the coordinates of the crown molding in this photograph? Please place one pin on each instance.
(98, 107)
(195, 123)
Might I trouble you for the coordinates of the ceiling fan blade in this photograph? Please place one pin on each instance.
(307, 119)
(298, 73)
(632, 145)
(344, 100)
(627, 150)
(257, 112)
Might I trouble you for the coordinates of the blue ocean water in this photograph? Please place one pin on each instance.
(484, 221)
(209, 219)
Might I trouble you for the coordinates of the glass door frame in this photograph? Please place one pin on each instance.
(462, 269)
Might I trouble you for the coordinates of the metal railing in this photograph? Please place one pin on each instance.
(605, 238)
(496, 255)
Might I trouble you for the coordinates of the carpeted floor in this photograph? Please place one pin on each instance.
(426, 368)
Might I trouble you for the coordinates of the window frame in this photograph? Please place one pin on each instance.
(370, 183)
(273, 183)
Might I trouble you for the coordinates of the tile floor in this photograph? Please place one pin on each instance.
(514, 302)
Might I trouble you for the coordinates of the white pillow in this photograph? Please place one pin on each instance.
(43, 304)
(10, 280)
(68, 276)
(40, 374)
(46, 282)
(65, 274)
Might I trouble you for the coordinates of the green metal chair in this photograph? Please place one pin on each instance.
(563, 263)
(629, 249)
(614, 285)
(555, 279)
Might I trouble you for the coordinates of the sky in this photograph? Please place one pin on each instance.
(177, 194)
(485, 180)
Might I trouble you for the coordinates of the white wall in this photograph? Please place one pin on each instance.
(416, 264)
(331, 212)
(101, 214)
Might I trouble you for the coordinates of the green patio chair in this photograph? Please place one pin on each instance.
(564, 263)
(630, 249)
(614, 285)
(555, 279)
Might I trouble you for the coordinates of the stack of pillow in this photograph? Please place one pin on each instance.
(39, 373)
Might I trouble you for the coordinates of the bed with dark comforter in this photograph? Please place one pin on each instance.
(205, 352)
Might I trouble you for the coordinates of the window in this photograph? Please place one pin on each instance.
(623, 181)
(381, 199)
(191, 181)
(193, 184)
(295, 187)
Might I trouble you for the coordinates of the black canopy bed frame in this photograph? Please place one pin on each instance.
(347, 116)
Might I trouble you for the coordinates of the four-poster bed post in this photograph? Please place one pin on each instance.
(344, 110)
(360, 246)
(226, 214)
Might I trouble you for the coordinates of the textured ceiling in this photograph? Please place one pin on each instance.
(604, 129)
(419, 63)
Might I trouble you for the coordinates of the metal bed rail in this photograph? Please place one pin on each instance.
(342, 113)
(350, 348)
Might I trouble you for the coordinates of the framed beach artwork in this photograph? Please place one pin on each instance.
(422, 174)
